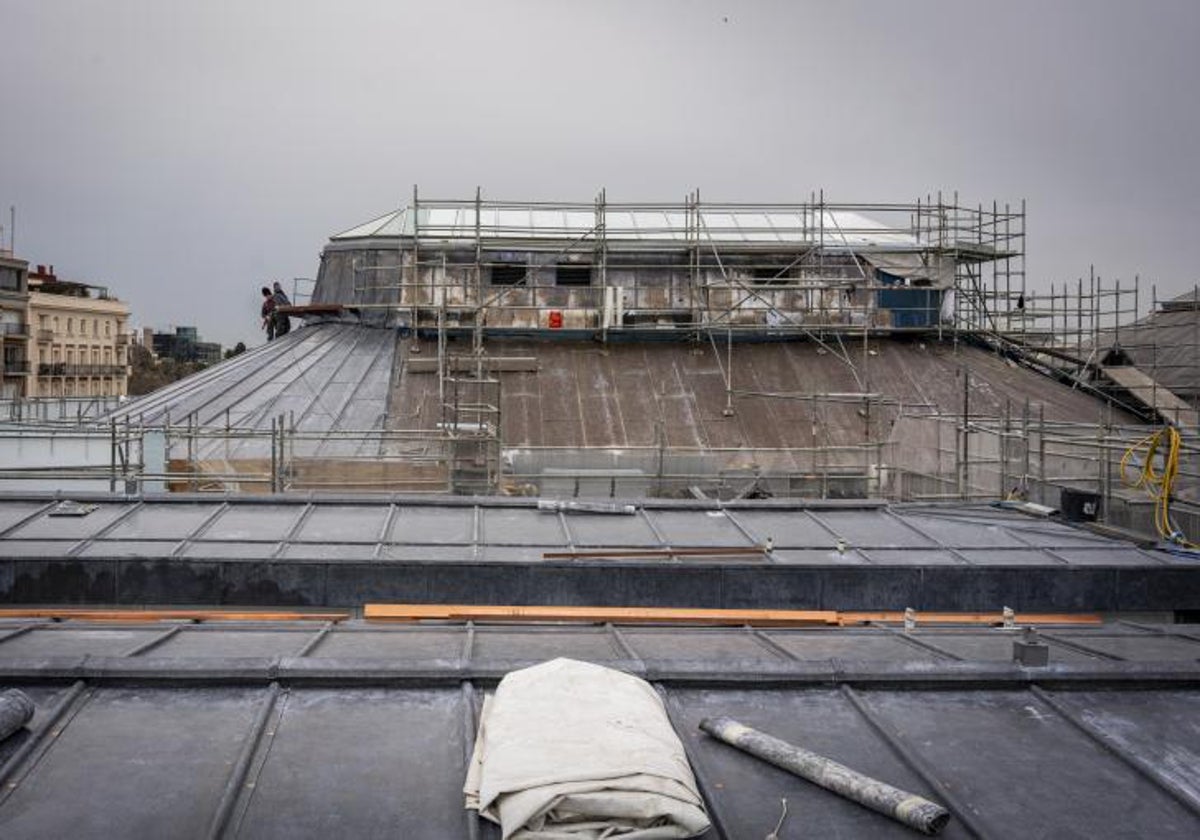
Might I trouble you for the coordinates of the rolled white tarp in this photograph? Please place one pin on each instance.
(568, 750)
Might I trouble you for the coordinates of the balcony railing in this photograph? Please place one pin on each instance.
(45, 335)
(67, 369)
(16, 367)
(122, 339)
(11, 330)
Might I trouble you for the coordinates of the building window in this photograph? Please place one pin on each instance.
(771, 276)
(508, 274)
(70, 326)
(107, 329)
(573, 274)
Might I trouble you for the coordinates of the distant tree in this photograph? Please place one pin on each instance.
(149, 374)
(237, 350)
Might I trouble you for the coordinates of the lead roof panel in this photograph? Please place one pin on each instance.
(14, 512)
(521, 526)
(951, 730)
(603, 530)
(344, 523)
(254, 522)
(319, 529)
(421, 524)
(872, 529)
(365, 763)
(136, 763)
(698, 528)
(46, 526)
(163, 521)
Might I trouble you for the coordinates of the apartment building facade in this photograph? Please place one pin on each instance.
(14, 326)
(79, 339)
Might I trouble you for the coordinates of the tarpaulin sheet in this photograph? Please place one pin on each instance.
(568, 750)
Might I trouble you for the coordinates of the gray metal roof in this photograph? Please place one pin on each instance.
(1166, 346)
(345, 552)
(338, 377)
(584, 394)
(484, 529)
(328, 377)
(274, 730)
(833, 228)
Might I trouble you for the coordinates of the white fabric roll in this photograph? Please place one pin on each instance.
(568, 750)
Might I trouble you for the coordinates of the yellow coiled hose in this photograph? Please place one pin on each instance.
(1166, 444)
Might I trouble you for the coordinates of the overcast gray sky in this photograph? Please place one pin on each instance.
(184, 152)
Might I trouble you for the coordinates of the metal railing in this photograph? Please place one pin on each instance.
(68, 369)
(925, 457)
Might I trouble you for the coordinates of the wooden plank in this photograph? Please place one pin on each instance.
(168, 615)
(707, 617)
(597, 615)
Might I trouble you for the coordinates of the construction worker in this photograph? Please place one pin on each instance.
(268, 313)
(283, 324)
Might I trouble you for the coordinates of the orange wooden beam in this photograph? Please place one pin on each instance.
(670, 615)
(596, 615)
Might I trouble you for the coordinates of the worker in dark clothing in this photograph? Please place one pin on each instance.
(283, 324)
(268, 313)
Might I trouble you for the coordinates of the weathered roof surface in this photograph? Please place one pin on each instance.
(1165, 345)
(328, 377)
(338, 377)
(833, 228)
(266, 730)
(585, 394)
(183, 549)
(1152, 393)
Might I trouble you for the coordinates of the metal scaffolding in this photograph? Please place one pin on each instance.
(815, 268)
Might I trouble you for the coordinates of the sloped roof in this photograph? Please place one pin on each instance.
(327, 377)
(1165, 345)
(339, 377)
(582, 393)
